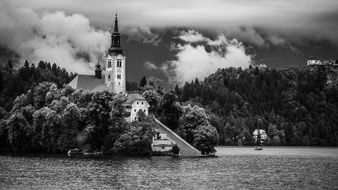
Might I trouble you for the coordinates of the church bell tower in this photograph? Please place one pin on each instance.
(115, 76)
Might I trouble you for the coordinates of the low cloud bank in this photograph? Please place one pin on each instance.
(68, 40)
(199, 56)
(150, 66)
(142, 34)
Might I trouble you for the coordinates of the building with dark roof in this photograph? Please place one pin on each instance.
(135, 103)
(112, 78)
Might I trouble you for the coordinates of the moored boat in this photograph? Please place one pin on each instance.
(74, 152)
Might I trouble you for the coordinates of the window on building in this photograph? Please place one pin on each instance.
(134, 110)
(108, 76)
(109, 63)
(142, 103)
(118, 76)
(144, 111)
(119, 63)
(137, 103)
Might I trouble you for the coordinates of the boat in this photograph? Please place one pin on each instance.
(74, 152)
(93, 154)
(259, 148)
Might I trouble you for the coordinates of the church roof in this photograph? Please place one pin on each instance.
(88, 82)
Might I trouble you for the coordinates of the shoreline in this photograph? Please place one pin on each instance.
(321, 151)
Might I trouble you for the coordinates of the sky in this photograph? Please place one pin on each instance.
(166, 38)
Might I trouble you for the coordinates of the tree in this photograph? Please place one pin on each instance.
(156, 85)
(98, 119)
(153, 98)
(143, 82)
(118, 123)
(19, 133)
(10, 64)
(40, 93)
(177, 90)
(138, 138)
(192, 118)
(169, 110)
(205, 138)
(71, 126)
(47, 126)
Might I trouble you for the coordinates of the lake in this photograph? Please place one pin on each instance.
(234, 168)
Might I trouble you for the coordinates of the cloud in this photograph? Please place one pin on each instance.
(150, 66)
(247, 34)
(67, 40)
(192, 36)
(291, 19)
(142, 34)
(194, 61)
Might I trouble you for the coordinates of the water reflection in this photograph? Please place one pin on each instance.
(228, 171)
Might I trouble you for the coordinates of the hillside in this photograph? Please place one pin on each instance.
(295, 106)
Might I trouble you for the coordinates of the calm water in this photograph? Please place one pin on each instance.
(235, 168)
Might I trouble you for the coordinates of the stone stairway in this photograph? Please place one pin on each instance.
(185, 148)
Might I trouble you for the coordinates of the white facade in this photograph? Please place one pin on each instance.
(136, 106)
(313, 62)
(115, 76)
(261, 132)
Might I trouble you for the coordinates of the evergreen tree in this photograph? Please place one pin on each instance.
(143, 82)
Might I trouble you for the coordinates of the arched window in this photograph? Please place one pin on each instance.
(109, 63)
(119, 63)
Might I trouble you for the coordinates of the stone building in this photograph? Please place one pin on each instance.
(112, 78)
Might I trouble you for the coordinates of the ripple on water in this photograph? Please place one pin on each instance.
(228, 171)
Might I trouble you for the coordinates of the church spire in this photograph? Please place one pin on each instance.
(115, 47)
(116, 27)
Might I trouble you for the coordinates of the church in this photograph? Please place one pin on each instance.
(112, 78)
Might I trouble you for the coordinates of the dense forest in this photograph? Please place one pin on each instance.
(40, 113)
(14, 82)
(294, 106)
(51, 117)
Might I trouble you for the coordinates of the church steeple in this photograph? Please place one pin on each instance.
(116, 27)
(115, 47)
(115, 67)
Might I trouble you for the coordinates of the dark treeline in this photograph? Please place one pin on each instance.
(294, 106)
(48, 119)
(14, 82)
(53, 117)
